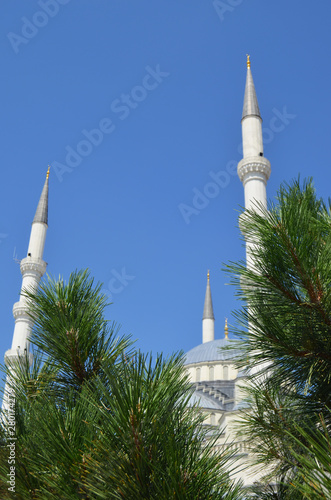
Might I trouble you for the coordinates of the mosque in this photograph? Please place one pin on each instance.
(212, 371)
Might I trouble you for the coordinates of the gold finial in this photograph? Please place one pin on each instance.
(248, 61)
(47, 175)
(208, 275)
(226, 330)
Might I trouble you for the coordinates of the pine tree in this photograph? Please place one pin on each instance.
(72, 341)
(96, 419)
(285, 328)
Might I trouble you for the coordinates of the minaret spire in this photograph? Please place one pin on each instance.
(251, 107)
(208, 319)
(42, 208)
(32, 269)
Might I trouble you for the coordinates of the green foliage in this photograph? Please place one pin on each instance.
(313, 453)
(288, 290)
(287, 309)
(282, 490)
(71, 330)
(51, 417)
(153, 443)
(95, 419)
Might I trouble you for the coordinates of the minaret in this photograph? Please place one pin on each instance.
(32, 268)
(253, 170)
(208, 319)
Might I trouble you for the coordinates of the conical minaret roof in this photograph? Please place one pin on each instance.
(208, 312)
(41, 214)
(251, 106)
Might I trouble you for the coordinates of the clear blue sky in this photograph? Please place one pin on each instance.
(163, 82)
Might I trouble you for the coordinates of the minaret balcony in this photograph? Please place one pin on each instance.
(31, 265)
(20, 311)
(258, 164)
(13, 356)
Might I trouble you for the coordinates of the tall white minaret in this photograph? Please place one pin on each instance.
(254, 169)
(208, 319)
(32, 268)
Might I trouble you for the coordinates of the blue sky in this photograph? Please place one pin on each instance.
(137, 105)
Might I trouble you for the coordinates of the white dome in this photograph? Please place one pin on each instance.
(212, 351)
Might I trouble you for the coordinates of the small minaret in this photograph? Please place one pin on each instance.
(253, 170)
(32, 268)
(208, 319)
